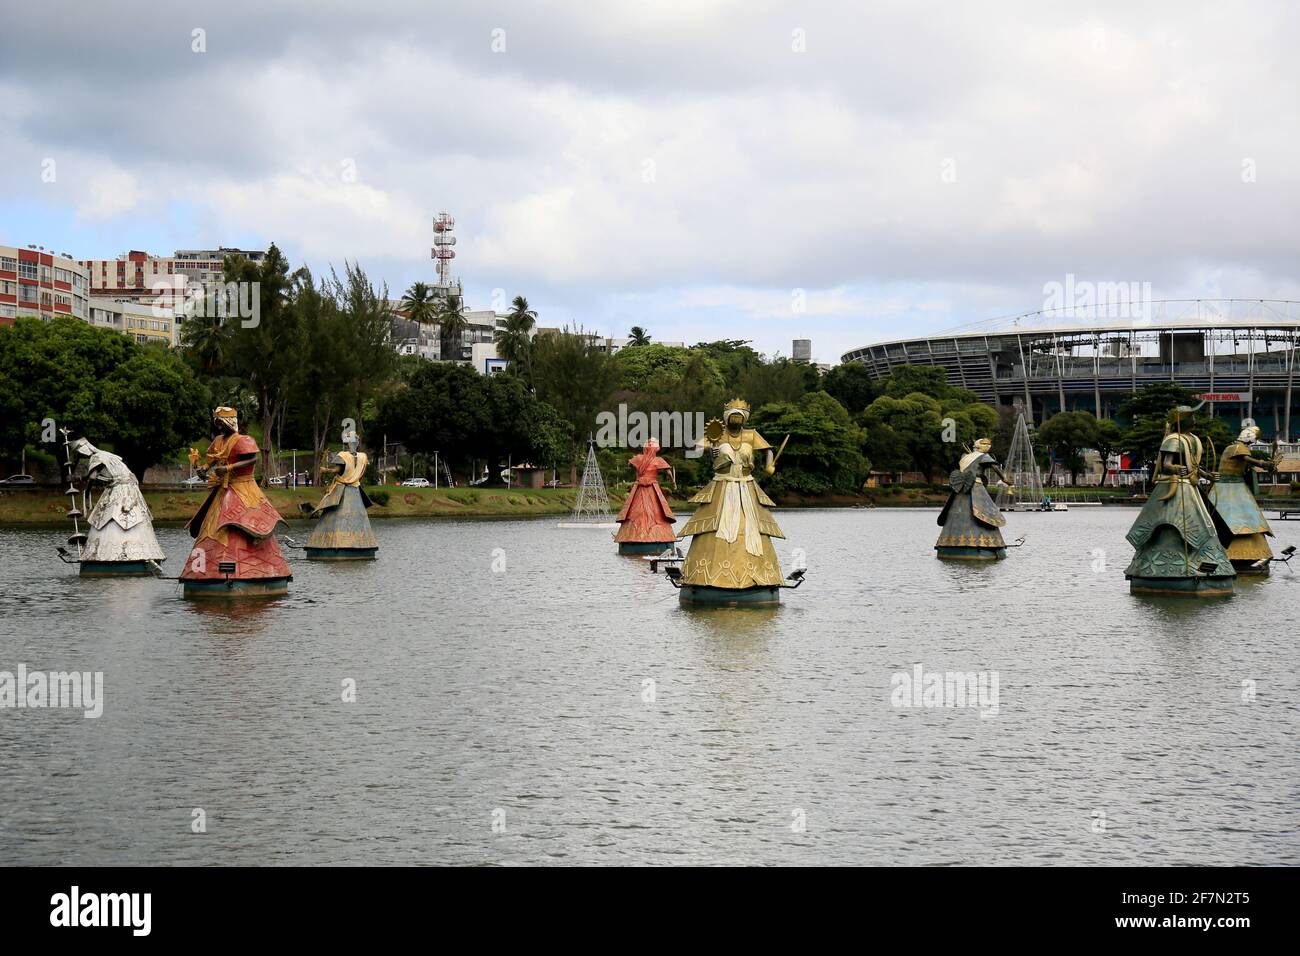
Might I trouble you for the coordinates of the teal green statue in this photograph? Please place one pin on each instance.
(970, 518)
(343, 532)
(1179, 536)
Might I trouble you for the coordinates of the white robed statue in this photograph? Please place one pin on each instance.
(120, 539)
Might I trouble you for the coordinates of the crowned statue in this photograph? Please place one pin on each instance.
(646, 521)
(731, 559)
(1179, 535)
(970, 518)
(343, 532)
(120, 541)
(235, 551)
(1233, 496)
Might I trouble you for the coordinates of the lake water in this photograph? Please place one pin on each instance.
(503, 713)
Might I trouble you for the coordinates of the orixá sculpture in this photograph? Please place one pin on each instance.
(1179, 536)
(235, 551)
(645, 520)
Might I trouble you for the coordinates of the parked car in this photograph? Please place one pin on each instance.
(196, 480)
(19, 480)
(277, 482)
(416, 483)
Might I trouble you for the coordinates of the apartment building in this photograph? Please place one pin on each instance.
(35, 281)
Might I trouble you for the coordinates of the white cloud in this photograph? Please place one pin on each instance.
(1108, 144)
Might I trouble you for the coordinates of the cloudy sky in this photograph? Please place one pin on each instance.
(843, 172)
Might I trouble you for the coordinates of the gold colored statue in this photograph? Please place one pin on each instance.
(731, 558)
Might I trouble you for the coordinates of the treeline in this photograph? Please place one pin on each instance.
(320, 351)
(1137, 430)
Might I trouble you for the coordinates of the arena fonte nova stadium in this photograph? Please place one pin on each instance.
(1238, 354)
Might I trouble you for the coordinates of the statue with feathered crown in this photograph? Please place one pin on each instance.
(235, 551)
(1179, 536)
(343, 532)
(970, 518)
(731, 558)
(1233, 496)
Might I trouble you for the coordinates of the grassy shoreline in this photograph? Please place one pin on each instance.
(47, 507)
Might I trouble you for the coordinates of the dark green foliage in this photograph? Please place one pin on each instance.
(141, 403)
(823, 455)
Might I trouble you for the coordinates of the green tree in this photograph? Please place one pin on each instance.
(349, 352)
(1145, 415)
(638, 336)
(1108, 438)
(733, 357)
(823, 454)
(657, 367)
(1068, 434)
(575, 377)
(1158, 398)
(779, 381)
(925, 379)
(453, 410)
(515, 339)
(207, 339)
(914, 422)
(444, 408)
(140, 402)
(420, 303)
(452, 321)
(267, 351)
(851, 385)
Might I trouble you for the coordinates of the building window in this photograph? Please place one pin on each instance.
(27, 270)
(8, 264)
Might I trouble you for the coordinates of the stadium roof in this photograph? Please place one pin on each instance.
(1154, 315)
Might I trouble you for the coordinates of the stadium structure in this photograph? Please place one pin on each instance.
(1239, 354)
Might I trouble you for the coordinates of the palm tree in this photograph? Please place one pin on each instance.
(521, 315)
(638, 336)
(452, 319)
(207, 339)
(513, 340)
(419, 303)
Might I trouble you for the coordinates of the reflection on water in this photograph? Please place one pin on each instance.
(569, 691)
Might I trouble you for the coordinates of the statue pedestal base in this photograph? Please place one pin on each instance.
(255, 587)
(643, 547)
(970, 554)
(1211, 586)
(115, 569)
(700, 595)
(340, 554)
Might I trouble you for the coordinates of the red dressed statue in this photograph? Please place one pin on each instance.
(646, 521)
(235, 551)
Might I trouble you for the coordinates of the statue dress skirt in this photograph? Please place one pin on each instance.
(1233, 498)
(343, 532)
(236, 523)
(1176, 534)
(970, 520)
(120, 541)
(645, 520)
(731, 559)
